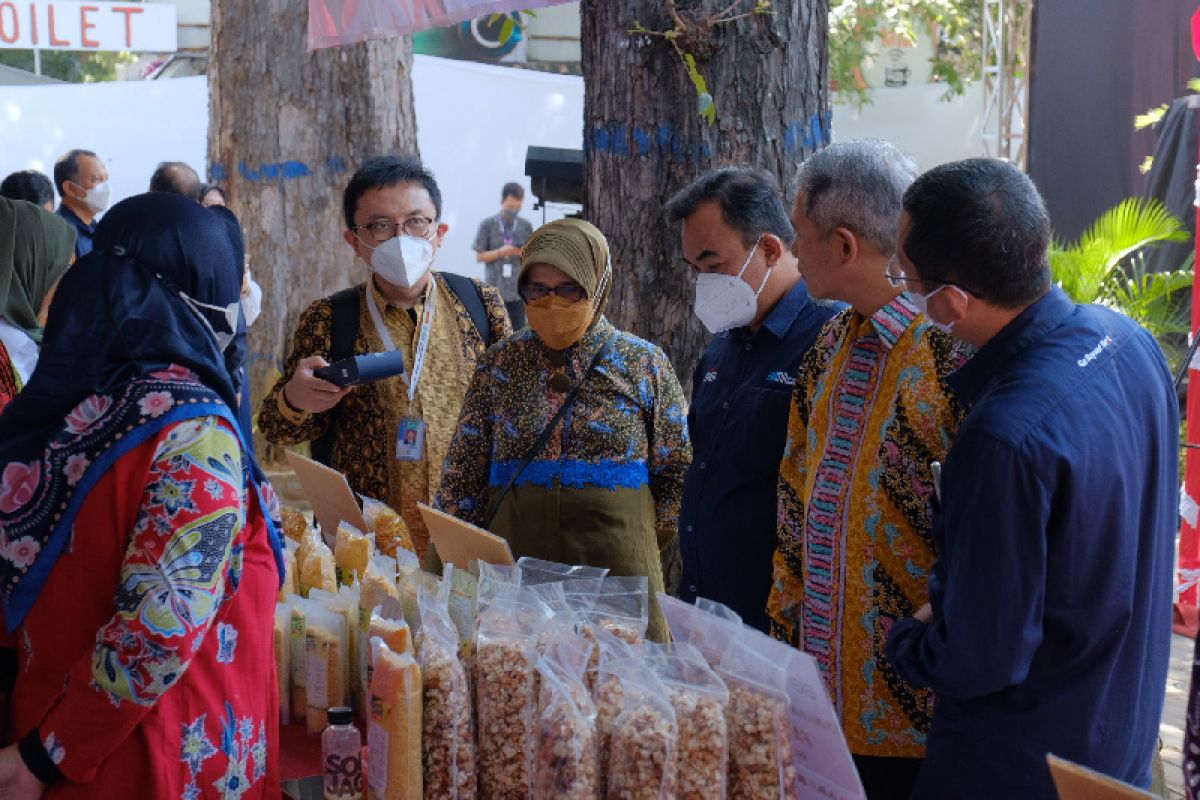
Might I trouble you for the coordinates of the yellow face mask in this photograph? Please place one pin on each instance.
(557, 321)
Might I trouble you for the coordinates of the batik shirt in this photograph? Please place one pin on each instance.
(606, 487)
(365, 445)
(869, 413)
(145, 667)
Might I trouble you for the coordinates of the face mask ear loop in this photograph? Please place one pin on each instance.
(604, 278)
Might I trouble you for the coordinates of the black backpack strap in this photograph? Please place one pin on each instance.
(471, 296)
(343, 331)
(544, 436)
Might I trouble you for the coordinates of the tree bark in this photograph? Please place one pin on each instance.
(644, 138)
(287, 128)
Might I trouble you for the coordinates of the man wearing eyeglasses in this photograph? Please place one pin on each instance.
(870, 413)
(1049, 626)
(390, 437)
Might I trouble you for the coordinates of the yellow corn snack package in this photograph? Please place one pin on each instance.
(394, 726)
(352, 552)
(324, 665)
(295, 525)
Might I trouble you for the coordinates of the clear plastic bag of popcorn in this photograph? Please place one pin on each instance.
(699, 698)
(505, 690)
(761, 760)
(640, 761)
(535, 571)
(565, 754)
(621, 607)
(448, 734)
(711, 634)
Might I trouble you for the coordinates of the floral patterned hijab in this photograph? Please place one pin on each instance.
(124, 355)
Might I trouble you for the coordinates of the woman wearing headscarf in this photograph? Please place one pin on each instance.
(36, 247)
(603, 488)
(139, 570)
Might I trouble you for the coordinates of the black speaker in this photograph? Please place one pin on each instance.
(555, 174)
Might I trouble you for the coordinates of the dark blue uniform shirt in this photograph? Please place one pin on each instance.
(1052, 590)
(738, 423)
(83, 231)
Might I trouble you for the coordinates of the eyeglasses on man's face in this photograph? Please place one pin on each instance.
(898, 280)
(571, 292)
(382, 230)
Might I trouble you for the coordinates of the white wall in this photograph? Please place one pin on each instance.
(474, 122)
(918, 121)
(132, 125)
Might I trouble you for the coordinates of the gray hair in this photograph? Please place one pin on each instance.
(857, 185)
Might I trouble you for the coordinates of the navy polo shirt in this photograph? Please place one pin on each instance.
(741, 393)
(83, 231)
(1052, 590)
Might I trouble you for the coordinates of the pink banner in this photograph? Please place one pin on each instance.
(337, 22)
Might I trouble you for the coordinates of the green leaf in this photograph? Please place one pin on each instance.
(707, 108)
(1086, 267)
(507, 30)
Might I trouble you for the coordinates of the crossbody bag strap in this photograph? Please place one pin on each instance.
(544, 437)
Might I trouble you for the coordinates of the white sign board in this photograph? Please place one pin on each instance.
(61, 25)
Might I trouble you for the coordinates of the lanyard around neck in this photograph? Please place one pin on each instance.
(422, 340)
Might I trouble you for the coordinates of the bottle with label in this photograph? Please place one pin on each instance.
(341, 754)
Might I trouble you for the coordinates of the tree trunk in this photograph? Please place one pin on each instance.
(287, 128)
(644, 138)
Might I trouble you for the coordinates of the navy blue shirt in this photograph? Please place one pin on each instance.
(738, 425)
(83, 231)
(1052, 590)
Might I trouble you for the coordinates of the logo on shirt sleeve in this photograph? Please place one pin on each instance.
(710, 376)
(1107, 341)
(780, 376)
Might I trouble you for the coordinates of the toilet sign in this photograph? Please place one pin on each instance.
(54, 25)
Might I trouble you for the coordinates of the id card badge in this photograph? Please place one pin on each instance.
(410, 439)
(508, 270)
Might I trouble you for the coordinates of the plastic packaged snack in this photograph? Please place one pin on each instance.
(283, 659)
(761, 761)
(621, 607)
(324, 665)
(448, 733)
(395, 633)
(391, 532)
(505, 691)
(709, 633)
(394, 769)
(317, 569)
(290, 584)
(299, 696)
(565, 754)
(352, 552)
(295, 525)
(344, 603)
(535, 571)
(642, 741)
(699, 698)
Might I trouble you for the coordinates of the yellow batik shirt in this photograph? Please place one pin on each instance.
(869, 413)
(365, 445)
